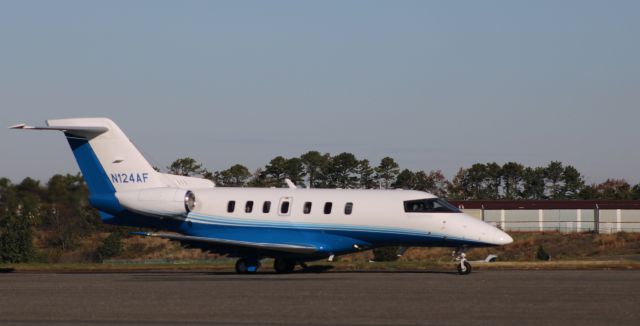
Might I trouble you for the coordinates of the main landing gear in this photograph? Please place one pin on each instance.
(463, 265)
(247, 265)
(283, 266)
(251, 265)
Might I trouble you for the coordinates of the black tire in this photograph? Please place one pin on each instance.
(467, 268)
(283, 265)
(241, 266)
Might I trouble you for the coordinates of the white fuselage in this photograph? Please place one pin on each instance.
(371, 211)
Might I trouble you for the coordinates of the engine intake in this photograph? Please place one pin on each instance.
(189, 201)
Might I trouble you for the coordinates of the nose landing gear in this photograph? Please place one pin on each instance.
(463, 265)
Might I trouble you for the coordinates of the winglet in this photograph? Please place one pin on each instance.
(290, 184)
(144, 234)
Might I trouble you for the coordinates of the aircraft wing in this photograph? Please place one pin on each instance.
(288, 248)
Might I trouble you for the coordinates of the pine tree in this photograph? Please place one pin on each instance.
(387, 172)
(16, 228)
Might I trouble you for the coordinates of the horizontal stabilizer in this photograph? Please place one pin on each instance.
(297, 249)
(88, 132)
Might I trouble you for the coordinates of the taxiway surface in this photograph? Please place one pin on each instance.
(335, 298)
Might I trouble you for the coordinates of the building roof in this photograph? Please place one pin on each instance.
(547, 204)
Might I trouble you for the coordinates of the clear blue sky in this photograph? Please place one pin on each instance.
(435, 85)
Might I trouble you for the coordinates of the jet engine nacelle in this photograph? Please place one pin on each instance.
(164, 202)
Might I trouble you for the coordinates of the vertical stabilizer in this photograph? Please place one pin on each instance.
(108, 160)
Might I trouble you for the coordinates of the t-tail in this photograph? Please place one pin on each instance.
(119, 178)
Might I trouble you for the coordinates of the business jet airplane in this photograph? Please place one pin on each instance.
(291, 225)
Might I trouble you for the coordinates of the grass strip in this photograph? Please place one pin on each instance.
(228, 265)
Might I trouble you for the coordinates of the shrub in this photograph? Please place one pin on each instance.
(385, 254)
(541, 254)
(16, 239)
(111, 246)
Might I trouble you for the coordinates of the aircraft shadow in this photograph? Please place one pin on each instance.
(310, 273)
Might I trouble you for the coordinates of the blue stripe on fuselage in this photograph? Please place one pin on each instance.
(301, 225)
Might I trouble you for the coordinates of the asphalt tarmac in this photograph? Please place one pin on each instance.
(336, 298)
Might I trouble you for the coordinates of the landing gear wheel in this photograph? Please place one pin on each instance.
(283, 265)
(247, 265)
(241, 266)
(460, 257)
(464, 268)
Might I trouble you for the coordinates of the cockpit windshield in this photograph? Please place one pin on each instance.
(431, 205)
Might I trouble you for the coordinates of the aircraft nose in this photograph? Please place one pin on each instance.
(502, 238)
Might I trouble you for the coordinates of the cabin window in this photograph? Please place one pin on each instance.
(266, 207)
(307, 207)
(248, 207)
(431, 205)
(348, 208)
(284, 208)
(231, 206)
(327, 207)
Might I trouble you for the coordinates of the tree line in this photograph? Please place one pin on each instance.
(57, 214)
(481, 181)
